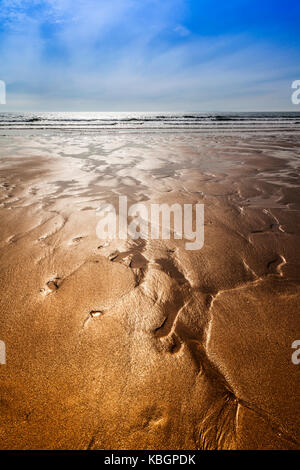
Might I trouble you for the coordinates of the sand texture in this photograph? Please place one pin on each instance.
(143, 344)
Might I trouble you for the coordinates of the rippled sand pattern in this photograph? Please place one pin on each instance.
(142, 344)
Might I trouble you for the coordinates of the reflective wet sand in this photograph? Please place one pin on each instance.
(143, 344)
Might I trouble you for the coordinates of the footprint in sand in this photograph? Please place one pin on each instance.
(96, 313)
(92, 315)
(51, 286)
(77, 239)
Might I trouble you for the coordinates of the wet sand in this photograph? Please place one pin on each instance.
(143, 344)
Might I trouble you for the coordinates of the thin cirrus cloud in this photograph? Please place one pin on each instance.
(135, 55)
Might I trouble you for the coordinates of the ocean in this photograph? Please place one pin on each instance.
(149, 122)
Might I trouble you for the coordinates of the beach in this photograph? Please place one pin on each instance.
(142, 344)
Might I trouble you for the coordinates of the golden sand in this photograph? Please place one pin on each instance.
(143, 344)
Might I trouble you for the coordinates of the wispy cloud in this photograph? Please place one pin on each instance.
(182, 30)
(133, 54)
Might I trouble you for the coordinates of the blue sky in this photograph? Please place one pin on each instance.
(149, 55)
